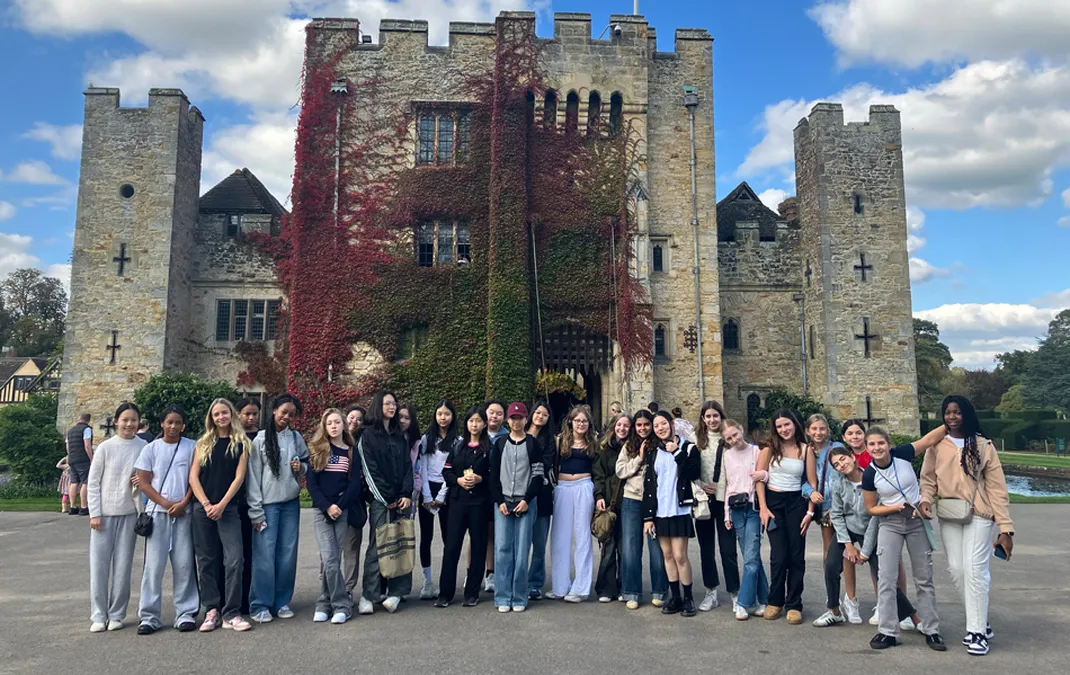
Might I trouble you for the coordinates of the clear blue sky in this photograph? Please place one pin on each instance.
(983, 95)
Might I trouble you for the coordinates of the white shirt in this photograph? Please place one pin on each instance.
(110, 492)
(786, 475)
(172, 482)
(668, 500)
(431, 471)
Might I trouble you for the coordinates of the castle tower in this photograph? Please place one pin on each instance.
(137, 210)
(856, 273)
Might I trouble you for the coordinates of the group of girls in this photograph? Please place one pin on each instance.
(502, 476)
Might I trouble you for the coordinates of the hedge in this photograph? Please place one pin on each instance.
(1036, 415)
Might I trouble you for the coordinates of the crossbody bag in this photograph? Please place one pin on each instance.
(960, 511)
(143, 524)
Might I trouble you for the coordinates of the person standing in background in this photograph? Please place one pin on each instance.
(79, 456)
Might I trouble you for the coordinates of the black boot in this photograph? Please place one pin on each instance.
(674, 606)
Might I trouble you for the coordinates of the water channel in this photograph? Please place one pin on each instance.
(1038, 487)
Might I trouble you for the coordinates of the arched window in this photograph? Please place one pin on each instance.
(572, 112)
(616, 113)
(730, 335)
(529, 108)
(754, 402)
(659, 341)
(594, 114)
(549, 109)
(657, 254)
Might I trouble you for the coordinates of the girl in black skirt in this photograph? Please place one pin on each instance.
(667, 502)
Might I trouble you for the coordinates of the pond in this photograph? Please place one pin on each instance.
(1038, 487)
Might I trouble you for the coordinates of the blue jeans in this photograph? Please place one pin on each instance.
(540, 532)
(512, 542)
(754, 587)
(631, 535)
(275, 558)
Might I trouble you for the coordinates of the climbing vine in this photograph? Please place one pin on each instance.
(346, 252)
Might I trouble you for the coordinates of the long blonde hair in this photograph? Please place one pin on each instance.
(567, 437)
(239, 442)
(319, 448)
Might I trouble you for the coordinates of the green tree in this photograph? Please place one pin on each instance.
(983, 387)
(1012, 400)
(1012, 366)
(29, 442)
(1047, 377)
(803, 406)
(933, 360)
(34, 308)
(189, 392)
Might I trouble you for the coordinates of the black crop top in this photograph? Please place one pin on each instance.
(576, 463)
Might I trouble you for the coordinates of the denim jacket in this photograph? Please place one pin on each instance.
(827, 476)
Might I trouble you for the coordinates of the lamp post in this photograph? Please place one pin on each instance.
(691, 102)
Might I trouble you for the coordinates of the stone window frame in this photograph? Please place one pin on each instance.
(428, 239)
(667, 344)
(258, 323)
(410, 340)
(665, 243)
(439, 144)
(232, 226)
(737, 324)
(810, 342)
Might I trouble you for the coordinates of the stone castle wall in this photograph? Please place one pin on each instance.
(835, 165)
(759, 281)
(156, 151)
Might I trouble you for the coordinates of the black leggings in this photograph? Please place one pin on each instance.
(470, 518)
(427, 526)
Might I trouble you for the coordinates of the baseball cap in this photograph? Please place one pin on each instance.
(517, 409)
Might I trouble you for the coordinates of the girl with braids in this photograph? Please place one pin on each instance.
(785, 513)
(607, 496)
(433, 448)
(631, 468)
(713, 532)
(221, 457)
(278, 461)
(577, 447)
(541, 427)
(333, 485)
(965, 466)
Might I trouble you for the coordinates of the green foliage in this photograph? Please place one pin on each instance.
(20, 489)
(983, 387)
(29, 442)
(33, 309)
(189, 392)
(804, 406)
(933, 360)
(1047, 375)
(1012, 366)
(1012, 401)
(1033, 415)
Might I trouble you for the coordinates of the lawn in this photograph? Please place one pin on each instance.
(30, 504)
(1032, 459)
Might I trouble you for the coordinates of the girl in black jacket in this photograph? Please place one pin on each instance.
(387, 466)
(466, 473)
(667, 502)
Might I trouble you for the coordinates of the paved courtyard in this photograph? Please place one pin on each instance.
(44, 623)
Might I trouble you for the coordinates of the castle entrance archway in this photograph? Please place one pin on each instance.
(573, 353)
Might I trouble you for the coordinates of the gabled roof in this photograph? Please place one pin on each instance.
(241, 192)
(743, 205)
(9, 365)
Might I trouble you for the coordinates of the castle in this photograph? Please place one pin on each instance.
(746, 300)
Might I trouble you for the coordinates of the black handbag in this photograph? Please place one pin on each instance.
(740, 501)
(143, 524)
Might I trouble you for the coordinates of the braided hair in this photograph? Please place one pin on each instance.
(271, 436)
(970, 458)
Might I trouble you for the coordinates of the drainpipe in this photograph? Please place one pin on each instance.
(691, 102)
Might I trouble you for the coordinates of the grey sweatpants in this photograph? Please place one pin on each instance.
(171, 539)
(895, 531)
(111, 555)
(396, 586)
(351, 557)
(330, 537)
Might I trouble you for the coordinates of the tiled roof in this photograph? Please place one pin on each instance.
(241, 192)
(743, 205)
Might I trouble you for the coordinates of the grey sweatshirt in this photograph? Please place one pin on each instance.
(264, 487)
(849, 515)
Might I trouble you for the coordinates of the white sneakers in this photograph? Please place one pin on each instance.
(98, 627)
(906, 624)
(758, 611)
(391, 603)
(850, 608)
(710, 601)
(339, 618)
(519, 608)
(428, 592)
(285, 612)
(740, 612)
(605, 598)
(319, 617)
(115, 624)
(488, 583)
(364, 606)
(572, 597)
(503, 609)
(263, 616)
(874, 620)
(828, 619)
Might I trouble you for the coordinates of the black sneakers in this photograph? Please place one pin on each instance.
(470, 602)
(673, 606)
(989, 634)
(978, 645)
(187, 626)
(442, 602)
(882, 641)
(935, 642)
(688, 607)
(146, 629)
(73, 512)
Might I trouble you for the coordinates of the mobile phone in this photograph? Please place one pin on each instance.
(771, 526)
(1000, 552)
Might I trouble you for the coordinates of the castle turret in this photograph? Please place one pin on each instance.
(137, 210)
(852, 208)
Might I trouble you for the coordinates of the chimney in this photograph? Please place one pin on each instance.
(789, 209)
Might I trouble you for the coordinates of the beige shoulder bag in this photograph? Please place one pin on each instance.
(960, 511)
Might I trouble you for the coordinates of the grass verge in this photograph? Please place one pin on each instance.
(1025, 499)
(1033, 459)
(30, 504)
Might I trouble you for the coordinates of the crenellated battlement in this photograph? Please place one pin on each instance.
(574, 32)
(162, 102)
(828, 116)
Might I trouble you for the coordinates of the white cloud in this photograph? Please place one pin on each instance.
(1064, 221)
(57, 201)
(61, 271)
(7, 210)
(914, 32)
(34, 172)
(915, 227)
(921, 271)
(13, 253)
(772, 197)
(1066, 198)
(66, 141)
(991, 134)
(265, 146)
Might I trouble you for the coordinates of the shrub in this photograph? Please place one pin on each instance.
(20, 489)
(987, 415)
(804, 406)
(188, 392)
(29, 442)
(1037, 415)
